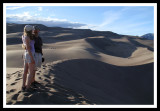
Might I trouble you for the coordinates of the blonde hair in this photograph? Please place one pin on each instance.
(28, 34)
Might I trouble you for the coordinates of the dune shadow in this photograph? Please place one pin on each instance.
(53, 36)
(107, 46)
(138, 44)
(50, 36)
(88, 81)
(104, 83)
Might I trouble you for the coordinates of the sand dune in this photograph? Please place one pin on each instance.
(88, 81)
(84, 67)
(47, 92)
(103, 83)
(120, 54)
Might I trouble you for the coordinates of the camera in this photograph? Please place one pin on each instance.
(42, 59)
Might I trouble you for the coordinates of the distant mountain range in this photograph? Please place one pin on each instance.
(149, 36)
(13, 28)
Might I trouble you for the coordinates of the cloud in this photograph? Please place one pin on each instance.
(109, 18)
(40, 8)
(124, 22)
(14, 7)
(36, 14)
(27, 18)
(15, 17)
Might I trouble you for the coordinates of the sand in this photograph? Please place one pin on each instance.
(93, 70)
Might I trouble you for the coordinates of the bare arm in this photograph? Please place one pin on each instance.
(23, 46)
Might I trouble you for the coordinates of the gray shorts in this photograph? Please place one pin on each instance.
(38, 59)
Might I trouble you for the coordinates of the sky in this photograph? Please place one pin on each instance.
(127, 20)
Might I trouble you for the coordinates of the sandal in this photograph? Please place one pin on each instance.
(23, 88)
(35, 82)
(33, 85)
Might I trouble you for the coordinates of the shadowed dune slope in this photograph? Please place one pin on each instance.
(107, 46)
(85, 81)
(105, 83)
(118, 48)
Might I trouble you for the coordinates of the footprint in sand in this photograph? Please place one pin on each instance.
(7, 92)
(47, 76)
(13, 83)
(12, 90)
(47, 80)
(8, 77)
(40, 78)
(43, 65)
(49, 65)
(18, 79)
(14, 73)
(38, 73)
(19, 75)
(15, 96)
(52, 77)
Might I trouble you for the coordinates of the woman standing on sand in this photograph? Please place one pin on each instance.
(38, 51)
(29, 57)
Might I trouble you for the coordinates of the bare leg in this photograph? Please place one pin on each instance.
(31, 73)
(25, 74)
(34, 76)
